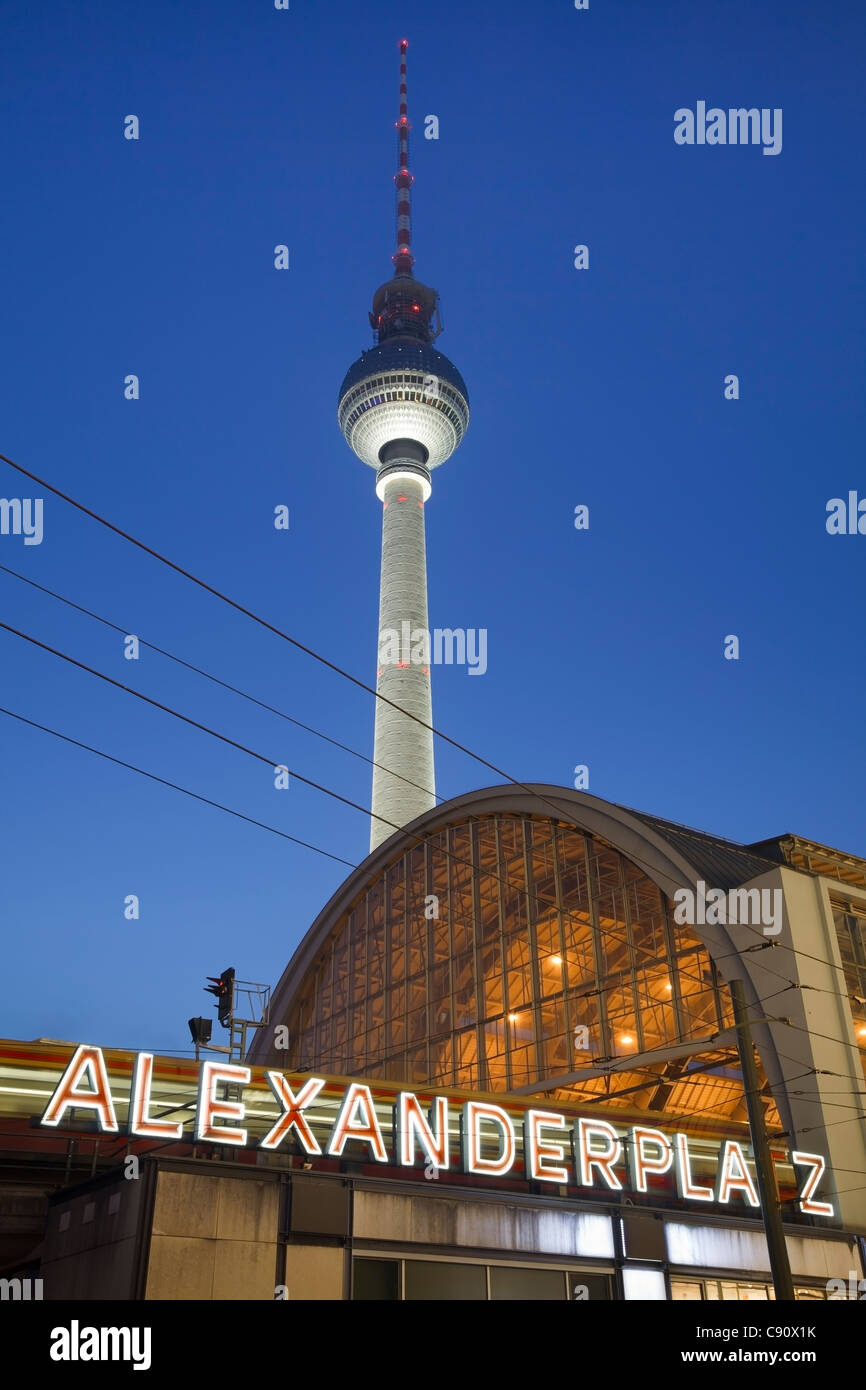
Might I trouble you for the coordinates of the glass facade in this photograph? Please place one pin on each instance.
(413, 1280)
(738, 1291)
(850, 919)
(510, 951)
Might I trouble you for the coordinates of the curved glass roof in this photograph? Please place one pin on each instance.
(513, 952)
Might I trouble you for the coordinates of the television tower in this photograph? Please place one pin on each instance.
(403, 410)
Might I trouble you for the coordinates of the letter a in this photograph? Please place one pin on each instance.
(684, 912)
(684, 130)
(837, 523)
(88, 1063)
(60, 1339)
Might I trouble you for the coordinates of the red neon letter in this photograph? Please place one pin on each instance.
(413, 1128)
(474, 1111)
(689, 1188)
(603, 1160)
(640, 1161)
(734, 1174)
(88, 1061)
(357, 1120)
(209, 1108)
(807, 1202)
(292, 1116)
(542, 1156)
(139, 1104)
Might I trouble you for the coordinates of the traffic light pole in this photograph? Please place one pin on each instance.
(226, 989)
(771, 1211)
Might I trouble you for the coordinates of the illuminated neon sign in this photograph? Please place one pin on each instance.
(450, 1134)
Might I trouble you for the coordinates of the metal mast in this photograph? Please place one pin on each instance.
(403, 258)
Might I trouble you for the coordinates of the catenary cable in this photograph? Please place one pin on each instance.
(163, 781)
(208, 675)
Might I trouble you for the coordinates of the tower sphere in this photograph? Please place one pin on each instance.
(403, 389)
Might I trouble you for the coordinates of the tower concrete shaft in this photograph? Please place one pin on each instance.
(402, 746)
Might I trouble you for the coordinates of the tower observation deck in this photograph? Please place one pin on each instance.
(403, 409)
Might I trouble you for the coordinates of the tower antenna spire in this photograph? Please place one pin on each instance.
(403, 258)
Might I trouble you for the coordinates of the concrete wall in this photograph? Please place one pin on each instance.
(91, 1243)
(314, 1272)
(400, 744)
(214, 1237)
(812, 1058)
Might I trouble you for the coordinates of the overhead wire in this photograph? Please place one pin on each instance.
(262, 825)
(208, 675)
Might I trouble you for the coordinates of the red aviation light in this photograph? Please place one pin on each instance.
(402, 499)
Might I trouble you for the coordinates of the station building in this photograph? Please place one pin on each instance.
(501, 1064)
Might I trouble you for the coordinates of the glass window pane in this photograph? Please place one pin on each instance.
(438, 1280)
(685, 1290)
(376, 1279)
(590, 1288)
(644, 1284)
(526, 1284)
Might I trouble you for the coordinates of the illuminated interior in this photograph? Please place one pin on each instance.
(514, 952)
(850, 919)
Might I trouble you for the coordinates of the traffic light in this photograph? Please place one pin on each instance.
(200, 1030)
(223, 987)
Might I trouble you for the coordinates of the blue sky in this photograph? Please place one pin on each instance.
(602, 387)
